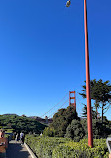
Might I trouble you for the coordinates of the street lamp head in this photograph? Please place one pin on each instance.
(68, 3)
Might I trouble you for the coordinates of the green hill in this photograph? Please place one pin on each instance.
(21, 123)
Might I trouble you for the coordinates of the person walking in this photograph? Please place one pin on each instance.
(17, 137)
(22, 138)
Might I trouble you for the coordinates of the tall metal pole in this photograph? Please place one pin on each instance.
(89, 115)
(69, 99)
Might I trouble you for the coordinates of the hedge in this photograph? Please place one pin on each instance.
(52, 147)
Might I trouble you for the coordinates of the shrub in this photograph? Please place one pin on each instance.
(100, 130)
(48, 131)
(47, 147)
(80, 150)
(43, 146)
(75, 131)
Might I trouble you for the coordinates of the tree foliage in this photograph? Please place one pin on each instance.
(100, 93)
(75, 131)
(62, 119)
(100, 130)
(48, 131)
(84, 113)
(19, 124)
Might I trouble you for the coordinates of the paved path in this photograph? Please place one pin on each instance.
(16, 150)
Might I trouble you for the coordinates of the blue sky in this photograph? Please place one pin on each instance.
(42, 52)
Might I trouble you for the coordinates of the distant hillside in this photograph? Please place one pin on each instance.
(21, 123)
(42, 120)
(10, 114)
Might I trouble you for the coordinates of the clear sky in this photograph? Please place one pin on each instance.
(42, 53)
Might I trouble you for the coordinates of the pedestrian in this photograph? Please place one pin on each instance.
(22, 138)
(17, 137)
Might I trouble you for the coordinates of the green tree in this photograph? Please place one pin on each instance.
(100, 130)
(104, 95)
(96, 105)
(93, 92)
(19, 123)
(84, 114)
(62, 119)
(48, 131)
(100, 93)
(75, 131)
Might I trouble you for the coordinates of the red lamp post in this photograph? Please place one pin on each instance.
(89, 114)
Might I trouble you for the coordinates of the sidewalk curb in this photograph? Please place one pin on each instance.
(30, 151)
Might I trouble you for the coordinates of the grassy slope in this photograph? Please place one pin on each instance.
(19, 123)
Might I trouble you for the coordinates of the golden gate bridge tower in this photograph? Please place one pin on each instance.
(72, 99)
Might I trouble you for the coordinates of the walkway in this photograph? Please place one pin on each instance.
(17, 151)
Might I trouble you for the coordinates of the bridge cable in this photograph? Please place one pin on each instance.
(59, 107)
(55, 105)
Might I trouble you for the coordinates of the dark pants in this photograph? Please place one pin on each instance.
(22, 139)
